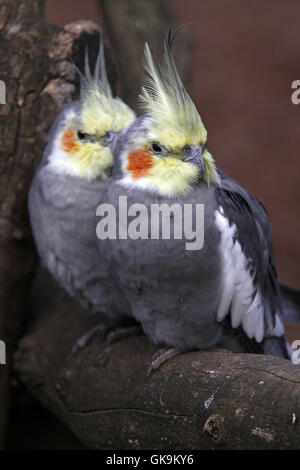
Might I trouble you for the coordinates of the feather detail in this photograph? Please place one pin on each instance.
(165, 99)
(175, 118)
(101, 112)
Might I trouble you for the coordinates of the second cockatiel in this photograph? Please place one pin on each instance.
(224, 294)
(66, 188)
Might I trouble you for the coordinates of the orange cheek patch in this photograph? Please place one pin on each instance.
(69, 141)
(139, 163)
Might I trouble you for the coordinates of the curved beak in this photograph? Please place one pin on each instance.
(194, 155)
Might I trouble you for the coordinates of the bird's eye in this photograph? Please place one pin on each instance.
(156, 148)
(82, 135)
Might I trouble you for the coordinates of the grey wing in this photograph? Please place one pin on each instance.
(63, 227)
(50, 232)
(250, 287)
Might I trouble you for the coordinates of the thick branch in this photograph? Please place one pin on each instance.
(199, 400)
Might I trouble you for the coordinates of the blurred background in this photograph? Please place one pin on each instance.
(239, 62)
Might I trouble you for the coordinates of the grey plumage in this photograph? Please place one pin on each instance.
(165, 284)
(255, 238)
(175, 293)
(62, 210)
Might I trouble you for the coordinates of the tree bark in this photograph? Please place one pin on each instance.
(198, 400)
(39, 78)
(129, 24)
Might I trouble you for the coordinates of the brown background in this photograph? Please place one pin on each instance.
(245, 56)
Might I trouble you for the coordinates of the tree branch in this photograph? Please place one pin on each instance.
(199, 400)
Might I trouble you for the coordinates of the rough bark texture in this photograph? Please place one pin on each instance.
(199, 400)
(35, 66)
(129, 24)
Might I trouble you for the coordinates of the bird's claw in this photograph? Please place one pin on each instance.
(111, 337)
(85, 339)
(160, 357)
(122, 332)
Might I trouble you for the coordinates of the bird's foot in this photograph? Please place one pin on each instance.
(99, 329)
(160, 357)
(123, 332)
(111, 336)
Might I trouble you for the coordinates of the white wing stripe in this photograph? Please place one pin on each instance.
(238, 287)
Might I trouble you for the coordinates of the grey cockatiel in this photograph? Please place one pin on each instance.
(66, 187)
(224, 294)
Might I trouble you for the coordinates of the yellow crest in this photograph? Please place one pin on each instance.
(101, 112)
(176, 121)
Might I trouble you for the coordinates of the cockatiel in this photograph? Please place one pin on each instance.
(226, 293)
(65, 190)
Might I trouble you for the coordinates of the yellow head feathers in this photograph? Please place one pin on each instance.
(82, 144)
(165, 99)
(101, 112)
(175, 119)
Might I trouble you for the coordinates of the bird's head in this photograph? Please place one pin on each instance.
(81, 141)
(165, 150)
